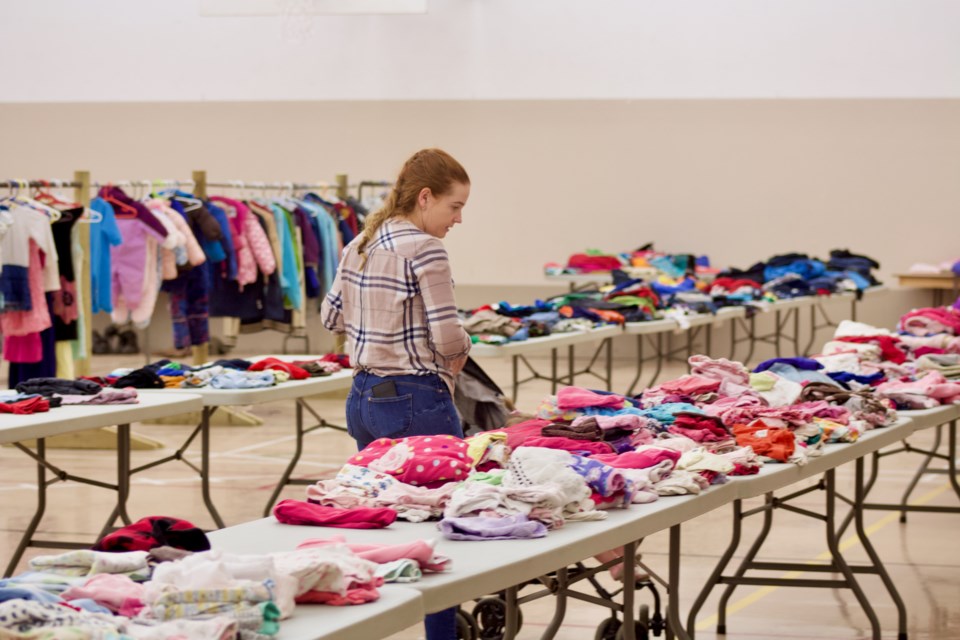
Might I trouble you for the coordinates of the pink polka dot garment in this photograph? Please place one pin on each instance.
(424, 461)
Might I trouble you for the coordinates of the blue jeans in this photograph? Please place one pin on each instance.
(423, 406)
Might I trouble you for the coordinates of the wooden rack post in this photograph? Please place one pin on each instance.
(201, 352)
(81, 195)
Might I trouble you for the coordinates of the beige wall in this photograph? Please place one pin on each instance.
(738, 179)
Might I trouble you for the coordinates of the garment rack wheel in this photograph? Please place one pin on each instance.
(490, 613)
(467, 628)
(612, 627)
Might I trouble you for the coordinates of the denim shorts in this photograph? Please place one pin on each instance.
(422, 406)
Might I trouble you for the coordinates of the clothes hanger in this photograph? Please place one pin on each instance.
(26, 200)
(122, 210)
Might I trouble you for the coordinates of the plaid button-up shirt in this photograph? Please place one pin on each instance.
(398, 312)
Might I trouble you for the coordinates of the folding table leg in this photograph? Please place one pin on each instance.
(123, 481)
(560, 606)
(285, 478)
(674, 626)
(777, 332)
(833, 544)
(629, 589)
(742, 569)
(609, 351)
(952, 458)
(714, 578)
(553, 371)
(752, 338)
(516, 373)
(512, 623)
(636, 378)
(660, 359)
(38, 514)
(860, 495)
(205, 466)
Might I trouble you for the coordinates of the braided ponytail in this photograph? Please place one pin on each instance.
(434, 169)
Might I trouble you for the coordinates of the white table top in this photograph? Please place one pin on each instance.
(545, 343)
(284, 391)
(479, 568)
(397, 609)
(67, 419)
(778, 476)
(668, 325)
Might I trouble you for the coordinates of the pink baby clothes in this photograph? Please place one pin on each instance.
(734, 377)
(251, 242)
(932, 385)
(306, 513)
(421, 551)
(585, 447)
(577, 398)
(28, 348)
(414, 503)
(685, 386)
(360, 594)
(106, 396)
(195, 255)
(426, 461)
(627, 421)
(21, 323)
(116, 592)
(129, 261)
(923, 322)
(649, 457)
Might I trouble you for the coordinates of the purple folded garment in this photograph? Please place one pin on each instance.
(480, 528)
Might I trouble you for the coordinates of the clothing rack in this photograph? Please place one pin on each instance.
(341, 185)
(81, 194)
(365, 184)
(201, 184)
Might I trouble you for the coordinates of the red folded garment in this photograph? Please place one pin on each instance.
(518, 433)
(340, 358)
(361, 594)
(887, 344)
(274, 364)
(699, 427)
(27, 406)
(590, 263)
(299, 512)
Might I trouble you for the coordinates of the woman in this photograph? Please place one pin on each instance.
(393, 298)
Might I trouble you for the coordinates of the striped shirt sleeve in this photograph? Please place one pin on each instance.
(431, 266)
(331, 311)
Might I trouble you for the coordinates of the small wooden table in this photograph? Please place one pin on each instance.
(939, 282)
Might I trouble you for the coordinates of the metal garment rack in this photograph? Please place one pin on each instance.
(341, 185)
(369, 184)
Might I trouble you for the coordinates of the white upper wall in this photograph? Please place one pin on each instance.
(136, 50)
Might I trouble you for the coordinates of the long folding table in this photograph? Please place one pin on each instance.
(772, 478)
(519, 351)
(19, 430)
(212, 399)
(654, 332)
(396, 610)
(479, 568)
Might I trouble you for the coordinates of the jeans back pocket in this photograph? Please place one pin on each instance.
(389, 417)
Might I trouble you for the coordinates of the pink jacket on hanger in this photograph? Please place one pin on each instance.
(250, 240)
